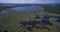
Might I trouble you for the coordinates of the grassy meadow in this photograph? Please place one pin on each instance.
(11, 21)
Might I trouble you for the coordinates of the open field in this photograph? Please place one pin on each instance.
(11, 21)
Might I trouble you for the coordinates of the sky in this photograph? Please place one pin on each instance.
(30, 1)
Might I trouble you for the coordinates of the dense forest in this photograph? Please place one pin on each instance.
(52, 9)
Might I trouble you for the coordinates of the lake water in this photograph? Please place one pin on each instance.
(22, 8)
(27, 9)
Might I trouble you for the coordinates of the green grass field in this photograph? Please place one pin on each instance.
(11, 22)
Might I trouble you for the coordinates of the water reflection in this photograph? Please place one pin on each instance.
(28, 9)
(22, 8)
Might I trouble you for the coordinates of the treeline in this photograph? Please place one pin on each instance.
(52, 9)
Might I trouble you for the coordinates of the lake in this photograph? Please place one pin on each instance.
(27, 9)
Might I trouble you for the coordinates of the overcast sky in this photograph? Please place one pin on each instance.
(30, 1)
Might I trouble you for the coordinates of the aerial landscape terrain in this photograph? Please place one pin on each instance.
(17, 20)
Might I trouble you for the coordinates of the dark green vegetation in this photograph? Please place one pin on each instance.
(52, 8)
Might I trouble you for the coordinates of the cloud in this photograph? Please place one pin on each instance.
(29, 1)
